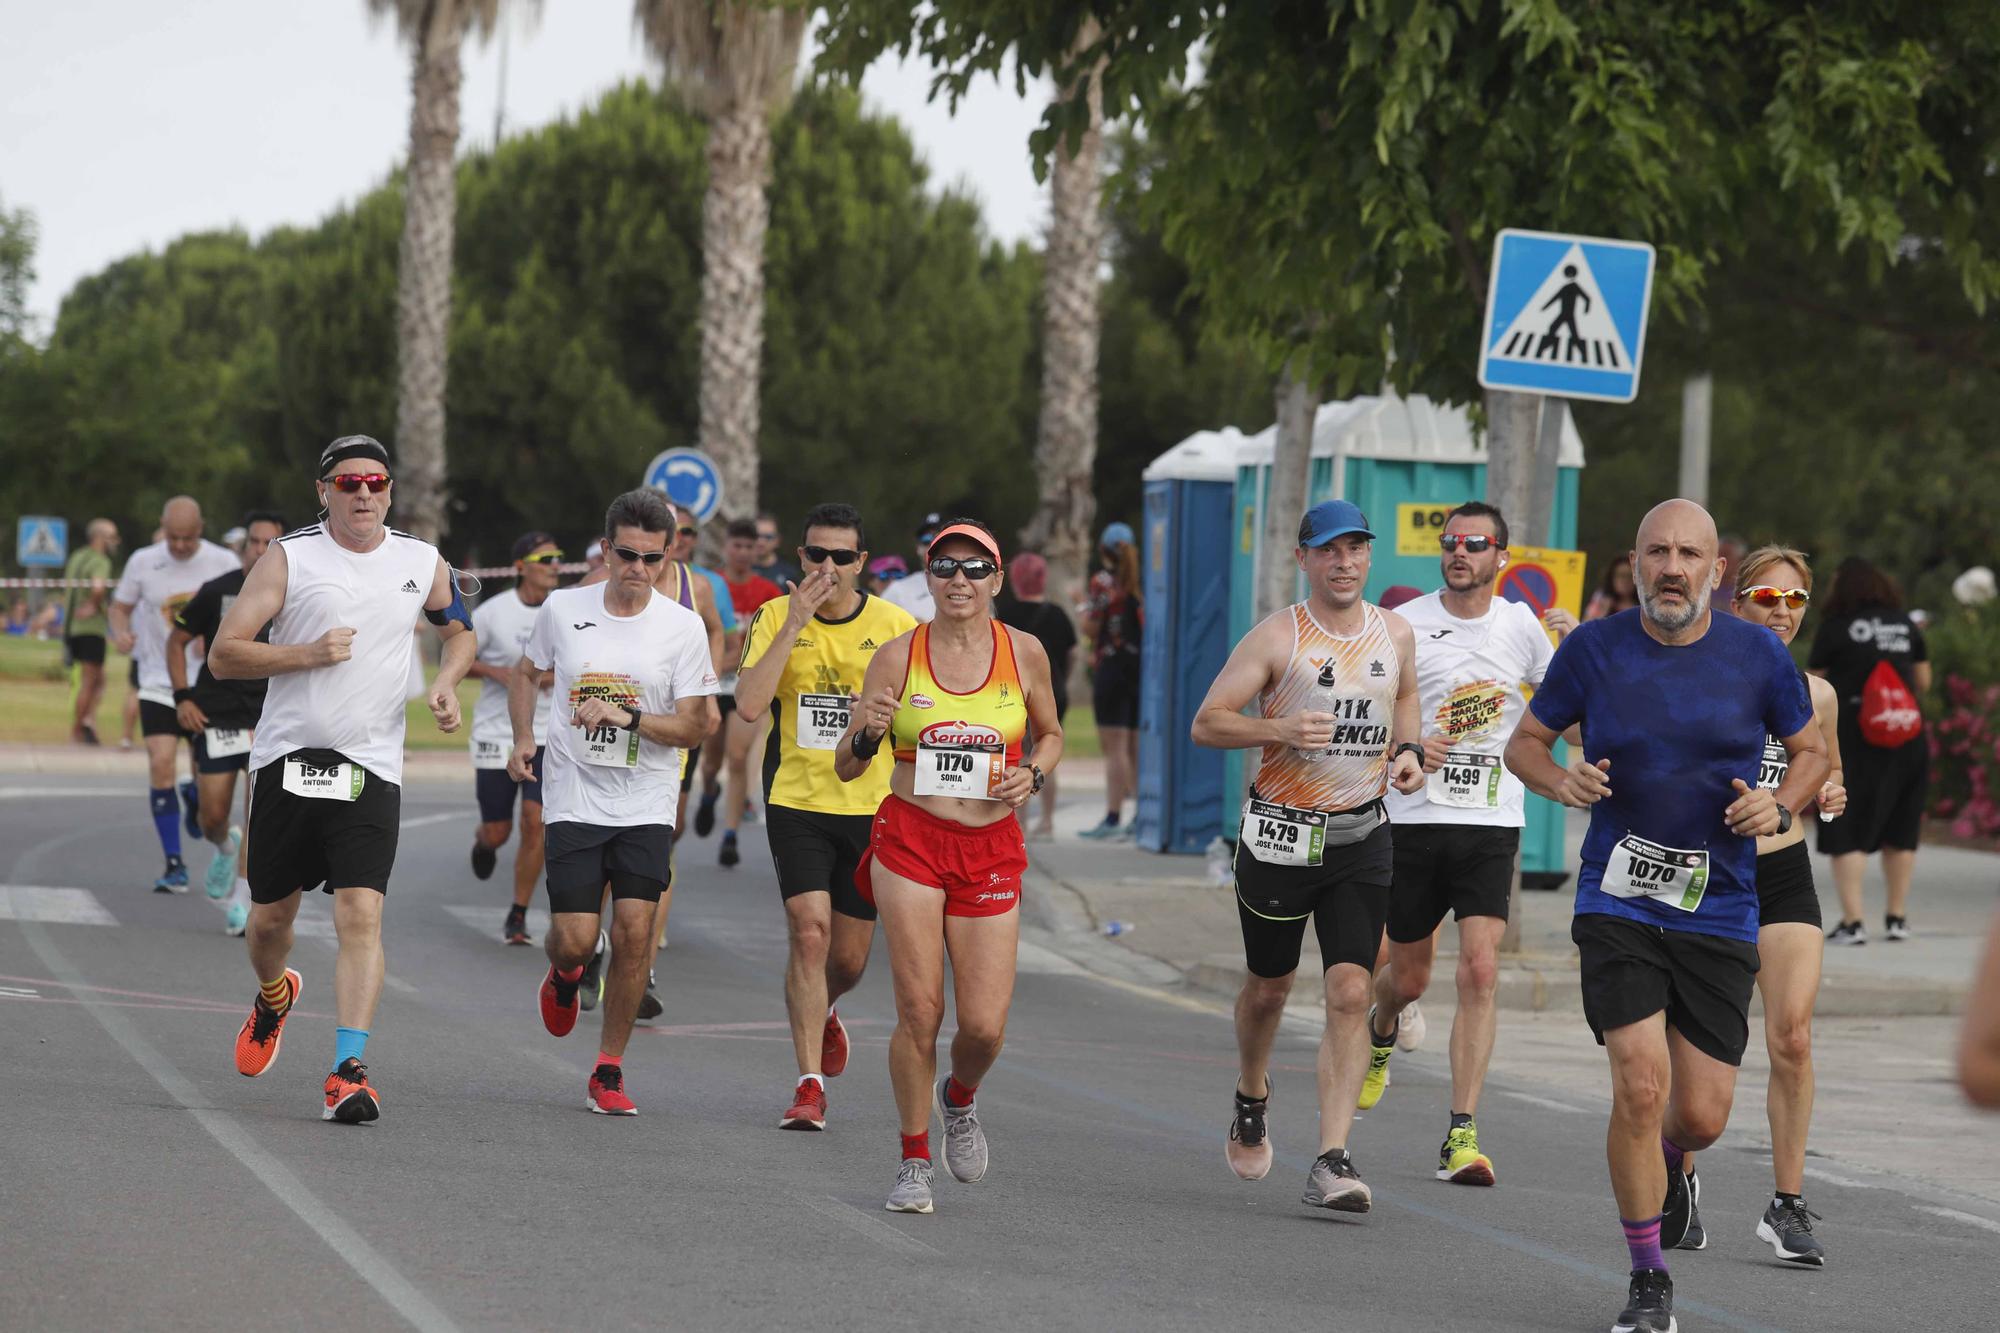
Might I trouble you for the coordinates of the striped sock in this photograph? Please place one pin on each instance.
(277, 994)
(1643, 1240)
(919, 1145)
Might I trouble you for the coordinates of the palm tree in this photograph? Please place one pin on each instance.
(732, 61)
(1066, 441)
(435, 29)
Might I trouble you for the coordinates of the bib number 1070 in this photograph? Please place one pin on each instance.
(1643, 871)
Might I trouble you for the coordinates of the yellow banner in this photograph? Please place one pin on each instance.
(1418, 526)
(1543, 577)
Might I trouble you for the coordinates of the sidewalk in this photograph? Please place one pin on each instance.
(1174, 914)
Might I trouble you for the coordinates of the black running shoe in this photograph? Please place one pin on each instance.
(516, 929)
(1677, 1211)
(1649, 1306)
(650, 1007)
(191, 809)
(591, 988)
(704, 811)
(1696, 1238)
(728, 855)
(1787, 1227)
(483, 859)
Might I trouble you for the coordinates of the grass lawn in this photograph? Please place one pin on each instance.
(35, 704)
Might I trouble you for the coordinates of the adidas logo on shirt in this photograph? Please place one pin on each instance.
(868, 644)
(410, 585)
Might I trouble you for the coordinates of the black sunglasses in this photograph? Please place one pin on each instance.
(632, 557)
(975, 568)
(688, 532)
(815, 554)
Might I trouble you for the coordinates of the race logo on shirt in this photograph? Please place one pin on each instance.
(615, 686)
(1472, 711)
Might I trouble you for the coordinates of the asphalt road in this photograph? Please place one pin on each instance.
(147, 1185)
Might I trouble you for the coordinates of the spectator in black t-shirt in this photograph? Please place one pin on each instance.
(1865, 625)
(1113, 618)
(1030, 612)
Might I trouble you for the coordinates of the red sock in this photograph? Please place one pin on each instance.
(917, 1145)
(615, 1061)
(956, 1093)
(571, 977)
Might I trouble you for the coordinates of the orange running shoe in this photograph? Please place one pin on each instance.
(833, 1046)
(257, 1041)
(350, 1097)
(808, 1107)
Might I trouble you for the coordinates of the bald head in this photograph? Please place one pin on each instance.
(102, 532)
(180, 526)
(1674, 564)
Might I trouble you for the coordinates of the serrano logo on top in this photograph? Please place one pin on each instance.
(960, 736)
(616, 686)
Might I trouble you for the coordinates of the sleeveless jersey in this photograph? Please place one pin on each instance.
(1358, 679)
(994, 715)
(684, 588)
(353, 707)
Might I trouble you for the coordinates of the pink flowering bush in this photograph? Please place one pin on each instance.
(1964, 724)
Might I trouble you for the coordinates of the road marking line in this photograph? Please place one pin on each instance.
(1952, 1214)
(422, 821)
(1533, 1100)
(19, 992)
(62, 907)
(58, 793)
(399, 1292)
(1835, 1178)
(873, 1228)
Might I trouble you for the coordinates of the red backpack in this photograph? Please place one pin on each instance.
(1889, 717)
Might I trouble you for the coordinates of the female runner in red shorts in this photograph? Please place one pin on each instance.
(955, 698)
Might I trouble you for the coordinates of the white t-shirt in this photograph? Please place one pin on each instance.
(609, 776)
(1470, 679)
(502, 624)
(353, 707)
(156, 586)
(912, 592)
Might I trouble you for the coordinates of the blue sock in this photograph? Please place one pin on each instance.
(167, 821)
(348, 1044)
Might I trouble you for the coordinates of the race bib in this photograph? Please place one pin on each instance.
(488, 754)
(608, 745)
(1279, 835)
(822, 720)
(1771, 772)
(324, 782)
(226, 742)
(1467, 781)
(1641, 869)
(960, 759)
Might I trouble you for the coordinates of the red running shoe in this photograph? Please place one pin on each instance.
(350, 1097)
(808, 1107)
(607, 1092)
(263, 1032)
(833, 1046)
(559, 1003)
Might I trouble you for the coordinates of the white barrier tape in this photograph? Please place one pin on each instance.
(491, 572)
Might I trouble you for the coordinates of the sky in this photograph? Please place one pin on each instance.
(126, 123)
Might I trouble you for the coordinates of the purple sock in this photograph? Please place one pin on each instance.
(1673, 1154)
(1643, 1240)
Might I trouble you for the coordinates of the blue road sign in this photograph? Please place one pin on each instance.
(689, 477)
(1566, 315)
(40, 540)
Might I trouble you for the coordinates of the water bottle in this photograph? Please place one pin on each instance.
(1320, 698)
(1221, 863)
(1113, 929)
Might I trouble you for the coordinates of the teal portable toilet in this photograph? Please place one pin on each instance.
(1381, 451)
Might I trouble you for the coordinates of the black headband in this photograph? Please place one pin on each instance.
(352, 446)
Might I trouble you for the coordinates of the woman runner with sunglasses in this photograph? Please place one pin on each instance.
(955, 698)
(1772, 589)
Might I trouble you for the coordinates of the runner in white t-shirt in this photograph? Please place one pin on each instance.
(634, 689)
(1457, 836)
(502, 623)
(158, 581)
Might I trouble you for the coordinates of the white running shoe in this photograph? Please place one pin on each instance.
(1411, 1027)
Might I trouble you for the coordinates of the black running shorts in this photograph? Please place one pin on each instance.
(634, 859)
(818, 853)
(85, 648)
(308, 842)
(1464, 869)
(1785, 889)
(1632, 971)
(159, 720)
(496, 790)
(1346, 898)
(203, 763)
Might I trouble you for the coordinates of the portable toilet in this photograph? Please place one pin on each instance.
(1185, 640)
(1381, 451)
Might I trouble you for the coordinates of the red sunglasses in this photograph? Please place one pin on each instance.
(347, 483)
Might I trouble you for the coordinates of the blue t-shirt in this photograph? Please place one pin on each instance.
(724, 607)
(1677, 724)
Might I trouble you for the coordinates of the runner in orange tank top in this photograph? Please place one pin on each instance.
(956, 698)
(1336, 681)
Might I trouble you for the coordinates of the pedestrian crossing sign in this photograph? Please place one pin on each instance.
(41, 541)
(1566, 315)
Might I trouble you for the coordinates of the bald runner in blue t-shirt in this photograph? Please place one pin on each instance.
(1672, 704)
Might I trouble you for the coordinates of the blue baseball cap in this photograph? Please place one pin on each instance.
(1333, 518)
(1117, 534)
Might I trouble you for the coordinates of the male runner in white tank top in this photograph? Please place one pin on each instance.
(340, 597)
(1338, 724)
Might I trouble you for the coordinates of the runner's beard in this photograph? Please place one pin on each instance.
(1674, 622)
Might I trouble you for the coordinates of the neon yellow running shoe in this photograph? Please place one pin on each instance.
(1377, 1082)
(1460, 1161)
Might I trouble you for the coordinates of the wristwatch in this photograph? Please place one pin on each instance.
(632, 718)
(1412, 747)
(1036, 788)
(1784, 820)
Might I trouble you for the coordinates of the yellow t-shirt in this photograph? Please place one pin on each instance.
(809, 712)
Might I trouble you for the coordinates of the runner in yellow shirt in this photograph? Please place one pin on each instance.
(819, 826)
